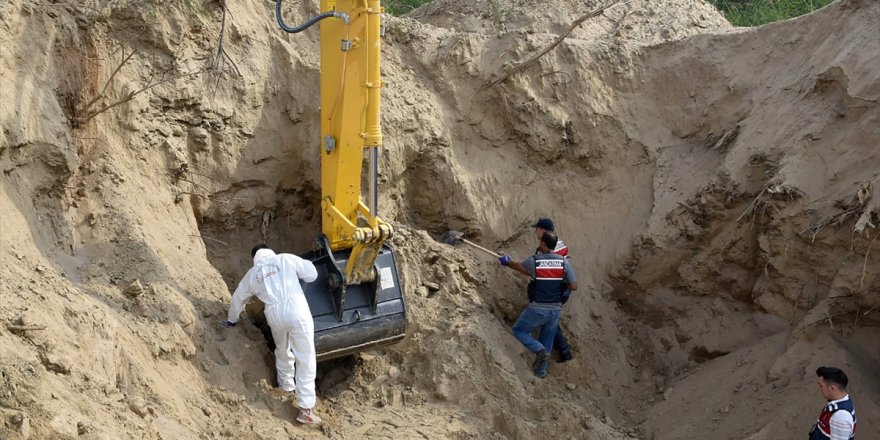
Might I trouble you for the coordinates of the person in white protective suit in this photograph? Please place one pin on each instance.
(275, 280)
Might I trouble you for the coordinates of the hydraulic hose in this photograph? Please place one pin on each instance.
(308, 23)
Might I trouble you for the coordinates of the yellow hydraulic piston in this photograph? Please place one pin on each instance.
(350, 94)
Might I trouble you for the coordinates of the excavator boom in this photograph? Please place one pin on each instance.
(357, 300)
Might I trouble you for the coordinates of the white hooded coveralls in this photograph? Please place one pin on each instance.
(275, 280)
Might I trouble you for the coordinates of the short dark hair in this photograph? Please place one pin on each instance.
(833, 375)
(256, 248)
(550, 239)
(544, 223)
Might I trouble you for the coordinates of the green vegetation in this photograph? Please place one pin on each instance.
(758, 12)
(738, 12)
(400, 7)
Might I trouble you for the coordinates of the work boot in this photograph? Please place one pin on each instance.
(541, 356)
(540, 369)
(308, 417)
(565, 357)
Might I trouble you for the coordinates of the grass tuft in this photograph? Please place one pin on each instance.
(747, 13)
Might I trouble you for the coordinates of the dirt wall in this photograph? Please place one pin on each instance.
(708, 181)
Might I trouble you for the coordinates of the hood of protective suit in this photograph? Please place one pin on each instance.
(263, 253)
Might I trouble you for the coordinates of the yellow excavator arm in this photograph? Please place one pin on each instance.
(350, 95)
(357, 301)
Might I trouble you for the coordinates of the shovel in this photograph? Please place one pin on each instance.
(457, 237)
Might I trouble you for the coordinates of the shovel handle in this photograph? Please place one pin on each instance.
(470, 243)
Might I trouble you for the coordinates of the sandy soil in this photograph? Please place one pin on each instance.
(717, 187)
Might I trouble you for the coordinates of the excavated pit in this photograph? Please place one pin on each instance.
(716, 186)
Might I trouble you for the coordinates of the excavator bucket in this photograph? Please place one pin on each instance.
(357, 317)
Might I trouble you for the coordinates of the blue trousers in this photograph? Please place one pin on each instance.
(533, 318)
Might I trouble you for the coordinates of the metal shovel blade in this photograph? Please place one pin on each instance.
(452, 238)
(457, 237)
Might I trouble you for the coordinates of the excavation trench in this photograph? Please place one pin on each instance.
(717, 188)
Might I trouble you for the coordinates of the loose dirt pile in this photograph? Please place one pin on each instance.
(718, 188)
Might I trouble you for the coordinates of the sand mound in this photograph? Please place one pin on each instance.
(717, 188)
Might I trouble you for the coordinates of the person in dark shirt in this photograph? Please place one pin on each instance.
(552, 278)
(560, 342)
(837, 421)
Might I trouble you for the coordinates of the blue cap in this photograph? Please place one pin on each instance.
(544, 223)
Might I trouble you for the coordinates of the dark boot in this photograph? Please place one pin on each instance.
(565, 357)
(540, 358)
(541, 369)
(539, 366)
